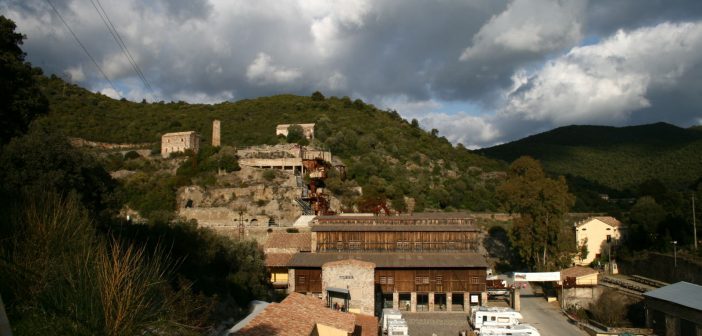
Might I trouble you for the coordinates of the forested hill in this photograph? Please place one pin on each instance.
(385, 154)
(619, 158)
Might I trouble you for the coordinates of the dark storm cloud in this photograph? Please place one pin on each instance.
(519, 62)
(606, 17)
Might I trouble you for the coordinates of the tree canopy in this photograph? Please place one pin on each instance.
(21, 99)
(542, 204)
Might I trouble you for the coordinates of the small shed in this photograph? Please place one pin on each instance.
(675, 309)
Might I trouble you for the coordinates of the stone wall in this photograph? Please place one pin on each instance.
(356, 276)
(662, 267)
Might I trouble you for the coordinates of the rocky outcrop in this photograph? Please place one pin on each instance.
(244, 197)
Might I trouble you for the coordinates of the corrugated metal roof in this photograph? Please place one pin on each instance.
(385, 228)
(393, 259)
(682, 293)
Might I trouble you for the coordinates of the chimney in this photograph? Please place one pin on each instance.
(216, 133)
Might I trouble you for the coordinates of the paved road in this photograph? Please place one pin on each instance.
(546, 317)
(439, 324)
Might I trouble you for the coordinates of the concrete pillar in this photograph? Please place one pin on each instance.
(516, 300)
(395, 300)
(413, 302)
(291, 280)
(466, 302)
(449, 302)
(484, 298)
(431, 301)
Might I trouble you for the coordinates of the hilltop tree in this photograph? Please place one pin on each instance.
(542, 204)
(20, 98)
(296, 134)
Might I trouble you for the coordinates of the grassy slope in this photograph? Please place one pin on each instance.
(380, 148)
(618, 158)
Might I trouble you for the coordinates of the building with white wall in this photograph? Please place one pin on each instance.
(596, 233)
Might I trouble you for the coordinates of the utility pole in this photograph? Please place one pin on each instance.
(241, 224)
(694, 222)
(675, 254)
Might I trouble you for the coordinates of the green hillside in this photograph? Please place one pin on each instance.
(618, 158)
(384, 153)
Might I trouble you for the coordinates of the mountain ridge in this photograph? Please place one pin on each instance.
(617, 157)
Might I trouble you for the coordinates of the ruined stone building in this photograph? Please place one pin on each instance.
(216, 133)
(307, 130)
(179, 142)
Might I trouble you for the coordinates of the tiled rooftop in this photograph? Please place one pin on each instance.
(609, 220)
(278, 259)
(297, 315)
(297, 241)
(577, 271)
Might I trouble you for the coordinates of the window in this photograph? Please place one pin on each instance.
(391, 280)
(439, 279)
(421, 280)
(354, 245)
(474, 280)
(340, 245)
(383, 280)
(301, 280)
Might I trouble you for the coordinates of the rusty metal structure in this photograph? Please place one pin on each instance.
(316, 164)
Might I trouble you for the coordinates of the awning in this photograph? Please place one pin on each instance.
(338, 290)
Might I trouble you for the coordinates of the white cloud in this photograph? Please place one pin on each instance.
(76, 73)
(263, 71)
(529, 26)
(606, 82)
(471, 131)
(110, 92)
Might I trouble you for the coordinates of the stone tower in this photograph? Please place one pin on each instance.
(216, 133)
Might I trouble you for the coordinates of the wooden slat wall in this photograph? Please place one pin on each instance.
(388, 241)
(312, 280)
(440, 280)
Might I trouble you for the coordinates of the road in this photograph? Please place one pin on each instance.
(546, 317)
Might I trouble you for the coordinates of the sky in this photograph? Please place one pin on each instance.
(482, 72)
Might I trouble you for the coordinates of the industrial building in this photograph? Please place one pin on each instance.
(419, 262)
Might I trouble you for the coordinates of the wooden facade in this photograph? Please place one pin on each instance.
(430, 280)
(308, 280)
(397, 241)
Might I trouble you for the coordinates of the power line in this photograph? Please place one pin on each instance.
(83, 47)
(118, 39)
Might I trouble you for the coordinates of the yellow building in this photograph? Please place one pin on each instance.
(597, 233)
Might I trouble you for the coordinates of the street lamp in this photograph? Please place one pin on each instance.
(675, 253)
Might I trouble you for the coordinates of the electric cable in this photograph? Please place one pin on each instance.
(84, 48)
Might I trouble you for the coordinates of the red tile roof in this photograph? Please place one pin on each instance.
(611, 221)
(576, 272)
(294, 241)
(366, 325)
(297, 315)
(278, 259)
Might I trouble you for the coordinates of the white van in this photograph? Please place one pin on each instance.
(494, 316)
(398, 327)
(515, 330)
(389, 314)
